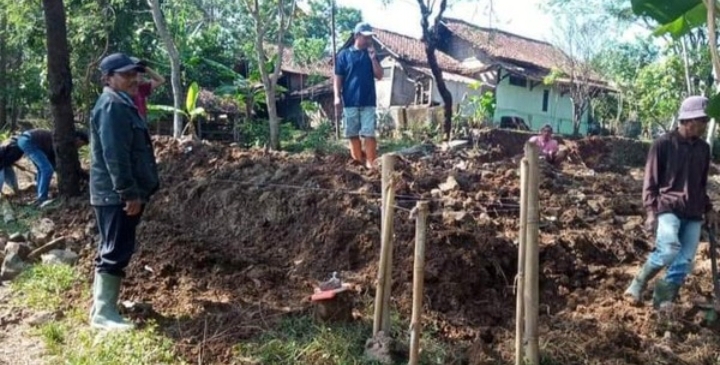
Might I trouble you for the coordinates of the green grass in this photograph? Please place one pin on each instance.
(302, 341)
(24, 218)
(43, 287)
(70, 340)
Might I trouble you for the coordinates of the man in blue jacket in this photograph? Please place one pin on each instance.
(123, 177)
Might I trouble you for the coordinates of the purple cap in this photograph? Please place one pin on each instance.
(693, 107)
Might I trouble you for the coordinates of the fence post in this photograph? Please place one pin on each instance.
(381, 320)
(520, 279)
(532, 267)
(388, 167)
(418, 280)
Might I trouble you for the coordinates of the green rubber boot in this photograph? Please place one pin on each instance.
(105, 313)
(94, 296)
(664, 292)
(639, 283)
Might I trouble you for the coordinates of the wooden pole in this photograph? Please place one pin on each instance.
(532, 266)
(388, 165)
(418, 280)
(334, 57)
(385, 257)
(520, 279)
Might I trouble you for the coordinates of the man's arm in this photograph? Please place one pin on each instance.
(652, 177)
(156, 80)
(116, 140)
(706, 172)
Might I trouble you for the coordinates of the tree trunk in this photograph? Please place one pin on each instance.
(172, 51)
(442, 88)
(3, 72)
(60, 85)
(273, 119)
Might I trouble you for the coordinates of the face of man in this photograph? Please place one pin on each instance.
(124, 81)
(546, 133)
(695, 128)
(363, 41)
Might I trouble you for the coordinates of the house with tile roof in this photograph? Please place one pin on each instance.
(517, 67)
(511, 66)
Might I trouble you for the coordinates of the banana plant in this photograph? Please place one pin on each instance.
(191, 112)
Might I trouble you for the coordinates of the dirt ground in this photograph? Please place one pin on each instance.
(237, 238)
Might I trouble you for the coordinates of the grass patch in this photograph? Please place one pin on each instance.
(43, 287)
(24, 215)
(71, 340)
(301, 341)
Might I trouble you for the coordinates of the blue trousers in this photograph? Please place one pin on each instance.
(41, 162)
(676, 243)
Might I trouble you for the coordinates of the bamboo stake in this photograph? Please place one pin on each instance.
(418, 280)
(520, 279)
(532, 267)
(385, 257)
(388, 229)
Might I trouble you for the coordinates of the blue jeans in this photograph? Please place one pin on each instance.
(359, 122)
(8, 175)
(42, 164)
(676, 243)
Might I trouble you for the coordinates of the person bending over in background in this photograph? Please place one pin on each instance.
(37, 145)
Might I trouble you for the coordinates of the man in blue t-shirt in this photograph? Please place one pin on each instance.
(354, 88)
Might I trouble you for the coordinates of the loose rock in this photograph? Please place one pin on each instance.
(60, 257)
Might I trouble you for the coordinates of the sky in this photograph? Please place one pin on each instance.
(522, 17)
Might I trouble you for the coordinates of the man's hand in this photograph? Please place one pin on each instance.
(651, 222)
(372, 52)
(133, 207)
(338, 105)
(711, 220)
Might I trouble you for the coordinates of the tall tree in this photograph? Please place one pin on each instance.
(277, 14)
(581, 40)
(431, 37)
(60, 85)
(172, 51)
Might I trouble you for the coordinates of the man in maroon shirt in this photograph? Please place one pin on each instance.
(146, 87)
(676, 200)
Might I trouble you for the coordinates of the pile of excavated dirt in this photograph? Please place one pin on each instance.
(236, 239)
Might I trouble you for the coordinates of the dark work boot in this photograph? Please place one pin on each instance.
(664, 292)
(637, 287)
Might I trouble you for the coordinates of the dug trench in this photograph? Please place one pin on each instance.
(235, 239)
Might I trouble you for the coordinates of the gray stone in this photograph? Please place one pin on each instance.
(17, 237)
(21, 249)
(60, 257)
(42, 231)
(12, 266)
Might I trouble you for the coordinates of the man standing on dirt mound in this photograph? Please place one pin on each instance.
(356, 67)
(123, 177)
(676, 200)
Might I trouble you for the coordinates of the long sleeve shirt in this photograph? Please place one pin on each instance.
(676, 174)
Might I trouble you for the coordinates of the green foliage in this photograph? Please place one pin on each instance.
(676, 17)
(43, 286)
(191, 112)
(482, 106)
(257, 133)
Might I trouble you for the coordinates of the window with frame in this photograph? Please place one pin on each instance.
(517, 81)
(546, 100)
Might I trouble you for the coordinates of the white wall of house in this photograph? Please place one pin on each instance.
(530, 105)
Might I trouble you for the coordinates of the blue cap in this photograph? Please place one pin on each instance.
(118, 62)
(364, 29)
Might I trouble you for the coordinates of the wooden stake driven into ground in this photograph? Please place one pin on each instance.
(381, 320)
(418, 280)
(532, 255)
(520, 279)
